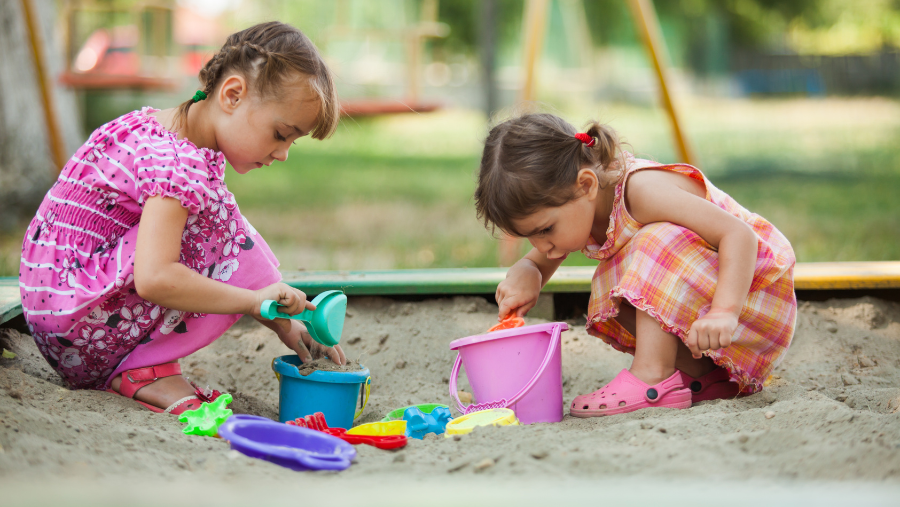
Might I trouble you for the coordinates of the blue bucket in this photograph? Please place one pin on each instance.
(334, 393)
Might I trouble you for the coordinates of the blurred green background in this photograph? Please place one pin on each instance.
(825, 172)
(792, 108)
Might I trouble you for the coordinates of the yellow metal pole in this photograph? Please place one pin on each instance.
(533, 27)
(535, 22)
(56, 143)
(648, 25)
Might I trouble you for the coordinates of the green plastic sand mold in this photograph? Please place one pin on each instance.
(205, 421)
(325, 324)
(426, 408)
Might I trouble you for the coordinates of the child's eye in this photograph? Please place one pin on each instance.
(546, 230)
(279, 136)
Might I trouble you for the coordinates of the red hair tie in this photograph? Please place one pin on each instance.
(586, 139)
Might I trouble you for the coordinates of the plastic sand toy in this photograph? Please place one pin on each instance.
(491, 417)
(379, 429)
(509, 322)
(333, 393)
(317, 422)
(296, 448)
(426, 408)
(519, 369)
(205, 421)
(419, 424)
(325, 324)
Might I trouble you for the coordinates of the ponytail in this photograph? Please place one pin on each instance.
(532, 162)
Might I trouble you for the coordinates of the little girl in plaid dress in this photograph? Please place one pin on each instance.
(696, 287)
(139, 255)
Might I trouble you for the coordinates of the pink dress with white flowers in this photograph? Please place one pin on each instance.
(77, 271)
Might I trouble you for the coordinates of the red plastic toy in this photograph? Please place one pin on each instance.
(317, 422)
(508, 322)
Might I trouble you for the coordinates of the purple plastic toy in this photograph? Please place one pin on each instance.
(289, 446)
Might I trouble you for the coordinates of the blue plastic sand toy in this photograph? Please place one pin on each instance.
(419, 424)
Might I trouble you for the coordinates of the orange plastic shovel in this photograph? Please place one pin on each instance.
(508, 322)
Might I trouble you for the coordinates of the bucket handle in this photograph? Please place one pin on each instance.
(503, 403)
(367, 386)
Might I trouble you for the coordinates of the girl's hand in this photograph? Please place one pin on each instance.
(713, 331)
(294, 334)
(293, 300)
(519, 291)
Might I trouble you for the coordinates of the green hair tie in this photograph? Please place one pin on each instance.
(200, 95)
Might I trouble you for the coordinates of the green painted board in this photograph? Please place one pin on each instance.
(428, 281)
(10, 302)
(825, 275)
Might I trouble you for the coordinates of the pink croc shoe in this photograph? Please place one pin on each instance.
(627, 393)
(712, 386)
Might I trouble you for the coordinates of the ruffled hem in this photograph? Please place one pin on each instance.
(193, 207)
(745, 383)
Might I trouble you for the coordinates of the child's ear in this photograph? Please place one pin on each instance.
(232, 92)
(588, 183)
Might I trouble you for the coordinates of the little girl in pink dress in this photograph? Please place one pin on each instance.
(139, 254)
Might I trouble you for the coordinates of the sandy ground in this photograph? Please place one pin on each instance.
(827, 427)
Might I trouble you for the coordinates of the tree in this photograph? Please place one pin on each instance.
(26, 166)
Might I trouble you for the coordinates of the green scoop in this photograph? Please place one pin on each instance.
(325, 324)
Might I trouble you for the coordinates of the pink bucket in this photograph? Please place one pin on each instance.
(518, 368)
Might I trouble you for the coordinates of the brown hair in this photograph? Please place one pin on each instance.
(532, 162)
(266, 54)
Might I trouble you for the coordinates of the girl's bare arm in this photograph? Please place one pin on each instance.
(523, 283)
(160, 278)
(545, 266)
(662, 196)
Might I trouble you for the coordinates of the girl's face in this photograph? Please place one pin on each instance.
(557, 232)
(254, 132)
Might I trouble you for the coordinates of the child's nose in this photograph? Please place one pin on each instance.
(542, 246)
(281, 154)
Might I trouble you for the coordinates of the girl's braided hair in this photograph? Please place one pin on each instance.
(532, 162)
(268, 54)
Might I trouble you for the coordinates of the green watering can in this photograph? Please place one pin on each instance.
(325, 324)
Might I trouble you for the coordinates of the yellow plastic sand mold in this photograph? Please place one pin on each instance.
(491, 417)
(379, 429)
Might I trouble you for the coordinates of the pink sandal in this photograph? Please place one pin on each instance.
(134, 380)
(715, 385)
(627, 393)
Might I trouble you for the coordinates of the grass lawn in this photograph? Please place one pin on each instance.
(396, 192)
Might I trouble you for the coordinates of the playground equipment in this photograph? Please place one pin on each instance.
(129, 45)
(411, 35)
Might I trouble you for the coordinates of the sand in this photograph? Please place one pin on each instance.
(830, 413)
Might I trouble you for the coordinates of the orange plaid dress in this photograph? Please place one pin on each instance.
(670, 272)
